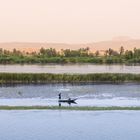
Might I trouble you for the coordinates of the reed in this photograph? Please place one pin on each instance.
(23, 78)
(85, 108)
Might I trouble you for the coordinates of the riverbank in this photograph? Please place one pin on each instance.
(68, 60)
(86, 108)
(81, 55)
(29, 78)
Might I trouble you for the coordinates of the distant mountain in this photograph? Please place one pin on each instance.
(122, 38)
(115, 44)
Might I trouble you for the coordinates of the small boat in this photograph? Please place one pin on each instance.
(67, 100)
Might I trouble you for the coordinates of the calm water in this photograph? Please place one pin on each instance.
(69, 125)
(86, 94)
(77, 68)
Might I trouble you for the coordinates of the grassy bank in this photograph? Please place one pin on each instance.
(67, 60)
(67, 108)
(23, 78)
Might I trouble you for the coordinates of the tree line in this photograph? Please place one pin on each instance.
(82, 55)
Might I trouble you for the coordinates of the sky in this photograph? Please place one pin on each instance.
(68, 21)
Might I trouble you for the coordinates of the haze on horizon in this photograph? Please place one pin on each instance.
(68, 21)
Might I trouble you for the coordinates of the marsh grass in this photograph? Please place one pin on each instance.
(23, 78)
(85, 108)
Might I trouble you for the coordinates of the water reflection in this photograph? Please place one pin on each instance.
(69, 103)
(69, 125)
(71, 68)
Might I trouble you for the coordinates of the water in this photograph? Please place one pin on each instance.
(69, 125)
(67, 68)
(86, 94)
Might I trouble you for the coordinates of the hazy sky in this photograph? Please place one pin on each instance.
(69, 21)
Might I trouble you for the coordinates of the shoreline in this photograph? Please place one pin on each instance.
(85, 108)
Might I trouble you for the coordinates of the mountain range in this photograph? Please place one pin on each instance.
(128, 44)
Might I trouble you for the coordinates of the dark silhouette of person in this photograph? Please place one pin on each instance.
(59, 95)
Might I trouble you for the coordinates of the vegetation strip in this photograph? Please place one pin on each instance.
(23, 78)
(82, 55)
(67, 108)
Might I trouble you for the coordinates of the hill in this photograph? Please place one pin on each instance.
(101, 46)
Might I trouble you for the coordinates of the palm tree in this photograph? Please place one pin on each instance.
(121, 50)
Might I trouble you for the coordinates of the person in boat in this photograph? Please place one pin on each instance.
(59, 95)
(69, 99)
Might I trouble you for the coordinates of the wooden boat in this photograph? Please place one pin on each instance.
(67, 100)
